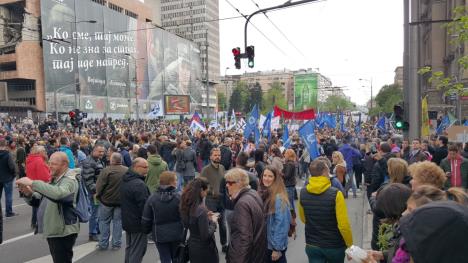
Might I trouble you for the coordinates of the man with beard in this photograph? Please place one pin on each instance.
(214, 173)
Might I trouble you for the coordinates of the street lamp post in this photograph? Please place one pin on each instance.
(225, 83)
(55, 100)
(371, 93)
(137, 108)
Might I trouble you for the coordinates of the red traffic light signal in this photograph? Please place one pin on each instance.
(236, 51)
(72, 114)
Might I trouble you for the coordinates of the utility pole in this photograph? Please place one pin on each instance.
(207, 75)
(412, 89)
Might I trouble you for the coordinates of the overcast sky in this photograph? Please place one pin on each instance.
(345, 39)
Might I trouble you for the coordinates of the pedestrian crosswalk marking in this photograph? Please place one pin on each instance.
(79, 252)
(17, 238)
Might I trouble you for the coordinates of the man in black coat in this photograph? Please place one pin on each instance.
(204, 149)
(133, 195)
(90, 169)
(441, 152)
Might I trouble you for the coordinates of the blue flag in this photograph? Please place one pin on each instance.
(307, 134)
(330, 120)
(381, 124)
(342, 124)
(444, 124)
(267, 126)
(252, 122)
(319, 120)
(357, 129)
(466, 123)
(286, 140)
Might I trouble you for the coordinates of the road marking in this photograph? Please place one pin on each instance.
(17, 238)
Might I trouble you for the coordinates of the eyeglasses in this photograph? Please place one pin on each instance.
(230, 183)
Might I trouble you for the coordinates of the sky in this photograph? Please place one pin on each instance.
(345, 40)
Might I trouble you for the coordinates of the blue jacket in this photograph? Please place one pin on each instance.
(71, 158)
(278, 226)
(348, 154)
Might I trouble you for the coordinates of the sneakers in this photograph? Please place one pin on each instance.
(99, 248)
(93, 238)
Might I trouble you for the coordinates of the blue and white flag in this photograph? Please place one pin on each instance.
(252, 122)
(342, 123)
(330, 120)
(285, 138)
(233, 121)
(382, 124)
(267, 126)
(444, 124)
(307, 134)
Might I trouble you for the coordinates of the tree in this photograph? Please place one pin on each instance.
(255, 97)
(388, 96)
(239, 97)
(222, 102)
(335, 103)
(274, 96)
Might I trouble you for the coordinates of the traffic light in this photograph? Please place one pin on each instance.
(237, 57)
(250, 51)
(400, 122)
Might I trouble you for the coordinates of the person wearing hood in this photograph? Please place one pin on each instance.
(133, 195)
(156, 166)
(322, 209)
(37, 169)
(456, 168)
(108, 193)
(161, 216)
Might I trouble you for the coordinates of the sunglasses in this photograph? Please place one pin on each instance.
(230, 183)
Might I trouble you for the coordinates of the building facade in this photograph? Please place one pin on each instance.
(437, 50)
(197, 20)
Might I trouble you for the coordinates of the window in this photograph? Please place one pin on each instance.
(101, 2)
(131, 14)
(115, 7)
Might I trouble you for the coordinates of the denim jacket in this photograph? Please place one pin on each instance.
(278, 226)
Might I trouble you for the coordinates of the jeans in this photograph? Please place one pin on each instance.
(8, 186)
(350, 183)
(170, 165)
(325, 255)
(167, 251)
(93, 220)
(61, 248)
(227, 218)
(282, 259)
(291, 193)
(179, 181)
(135, 247)
(106, 215)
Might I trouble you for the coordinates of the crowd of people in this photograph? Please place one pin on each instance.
(166, 184)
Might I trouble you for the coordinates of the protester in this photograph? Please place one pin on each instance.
(289, 172)
(186, 161)
(278, 212)
(90, 169)
(380, 169)
(156, 166)
(339, 169)
(426, 173)
(65, 147)
(37, 169)
(259, 157)
(349, 154)
(456, 168)
(200, 222)
(416, 154)
(441, 152)
(248, 242)
(108, 193)
(242, 162)
(7, 175)
(161, 217)
(59, 225)
(226, 153)
(133, 195)
(276, 159)
(323, 211)
(204, 149)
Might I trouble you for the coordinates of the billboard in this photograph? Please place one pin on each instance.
(176, 104)
(100, 60)
(305, 91)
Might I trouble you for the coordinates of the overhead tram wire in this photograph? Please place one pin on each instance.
(281, 32)
(267, 38)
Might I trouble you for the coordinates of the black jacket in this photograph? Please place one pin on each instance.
(202, 241)
(440, 154)
(204, 149)
(133, 195)
(1, 224)
(289, 173)
(90, 169)
(166, 151)
(7, 167)
(161, 215)
(379, 172)
(226, 157)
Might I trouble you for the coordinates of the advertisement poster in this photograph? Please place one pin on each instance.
(100, 60)
(176, 104)
(305, 91)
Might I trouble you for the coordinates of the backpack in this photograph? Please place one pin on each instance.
(83, 204)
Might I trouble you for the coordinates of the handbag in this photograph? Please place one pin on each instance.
(182, 252)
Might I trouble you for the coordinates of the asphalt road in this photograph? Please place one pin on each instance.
(20, 245)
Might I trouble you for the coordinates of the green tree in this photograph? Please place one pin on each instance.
(221, 101)
(388, 96)
(274, 96)
(235, 100)
(255, 97)
(336, 103)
